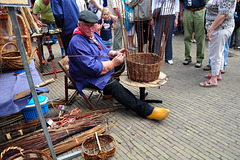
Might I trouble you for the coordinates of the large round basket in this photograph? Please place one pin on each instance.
(143, 67)
(10, 57)
(24, 155)
(90, 150)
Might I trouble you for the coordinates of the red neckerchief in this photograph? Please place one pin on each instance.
(77, 31)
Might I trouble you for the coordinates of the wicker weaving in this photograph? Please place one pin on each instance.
(10, 57)
(91, 151)
(6, 32)
(25, 155)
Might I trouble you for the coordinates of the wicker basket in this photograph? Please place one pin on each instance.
(90, 149)
(10, 57)
(5, 32)
(25, 155)
(142, 67)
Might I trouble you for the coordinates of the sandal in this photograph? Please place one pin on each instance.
(207, 84)
(210, 76)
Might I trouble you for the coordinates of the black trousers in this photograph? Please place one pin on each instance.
(144, 33)
(127, 99)
(65, 40)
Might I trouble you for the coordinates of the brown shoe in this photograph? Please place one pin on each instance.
(107, 96)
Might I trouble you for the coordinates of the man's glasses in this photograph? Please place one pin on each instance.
(88, 26)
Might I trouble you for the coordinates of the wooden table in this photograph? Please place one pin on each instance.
(143, 85)
(39, 37)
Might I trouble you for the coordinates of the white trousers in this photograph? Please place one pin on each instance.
(216, 48)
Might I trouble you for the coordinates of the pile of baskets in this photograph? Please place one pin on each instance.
(10, 57)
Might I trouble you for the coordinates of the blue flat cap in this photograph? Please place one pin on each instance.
(87, 16)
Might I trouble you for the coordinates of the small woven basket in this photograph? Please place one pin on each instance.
(90, 149)
(143, 67)
(25, 155)
(10, 57)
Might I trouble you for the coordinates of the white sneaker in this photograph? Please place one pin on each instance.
(194, 41)
(170, 62)
(131, 48)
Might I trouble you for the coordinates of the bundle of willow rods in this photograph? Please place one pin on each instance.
(20, 130)
(57, 135)
(14, 131)
(76, 141)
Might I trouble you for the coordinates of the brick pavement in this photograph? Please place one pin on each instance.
(203, 122)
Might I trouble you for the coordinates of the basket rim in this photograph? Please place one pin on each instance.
(130, 57)
(95, 154)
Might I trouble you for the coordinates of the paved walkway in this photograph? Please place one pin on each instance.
(203, 122)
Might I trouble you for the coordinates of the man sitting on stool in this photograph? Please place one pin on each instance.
(89, 62)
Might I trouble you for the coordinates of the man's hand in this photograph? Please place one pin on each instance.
(118, 59)
(175, 23)
(209, 33)
(114, 18)
(122, 51)
(113, 54)
(39, 24)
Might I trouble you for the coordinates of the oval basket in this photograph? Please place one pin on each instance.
(10, 57)
(143, 67)
(32, 154)
(90, 149)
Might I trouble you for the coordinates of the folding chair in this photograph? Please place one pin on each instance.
(72, 86)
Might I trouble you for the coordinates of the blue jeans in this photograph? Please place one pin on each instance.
(108, 43)
(164, 25)
(226, 49)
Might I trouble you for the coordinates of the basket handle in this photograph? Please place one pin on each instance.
(14, 44)
(13, 147)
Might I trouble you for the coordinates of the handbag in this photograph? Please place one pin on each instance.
(156, 13)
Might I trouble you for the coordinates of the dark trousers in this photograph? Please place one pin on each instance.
(65, 40)
(144, 34)
(127, 99)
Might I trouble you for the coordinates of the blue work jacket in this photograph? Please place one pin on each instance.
(85, 61)
(66, 15)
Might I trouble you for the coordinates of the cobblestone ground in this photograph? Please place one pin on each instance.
(203, 122)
